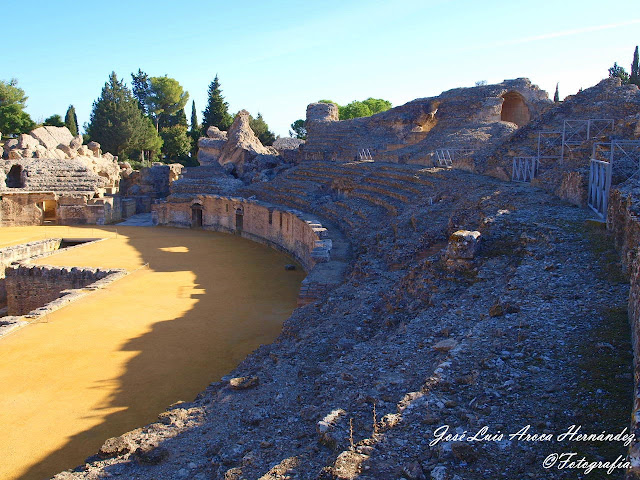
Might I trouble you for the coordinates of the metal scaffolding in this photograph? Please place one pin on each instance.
(445, 157)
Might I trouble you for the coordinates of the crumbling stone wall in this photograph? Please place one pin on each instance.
(470, 118)
(288, 230)
(32, 286)
(623, 219)
(609, 99)
(16, 253)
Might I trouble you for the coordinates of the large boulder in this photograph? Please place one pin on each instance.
(27, 141)
(242, 144)
(51, 137)
(210, 147)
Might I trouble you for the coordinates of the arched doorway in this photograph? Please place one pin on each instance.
(514, 109)
(196, 215)
(239, 219)
(14, 177)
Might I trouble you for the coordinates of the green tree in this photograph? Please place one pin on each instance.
(54, 121)
(194, 132)
(165, 97)
(141, 85)
(13, 101)
(618, 71)
(176, 143)
(556, 96)
(71, 120)
(298, 129)
(635, 69)
(354, 109)
(261, 129)
(377, 105)
(217, 111)
(117, 122)
(357, 109)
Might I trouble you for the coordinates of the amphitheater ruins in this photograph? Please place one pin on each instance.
(471, 268)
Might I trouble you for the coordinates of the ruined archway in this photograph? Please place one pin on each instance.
(514, 109)
(14, 177)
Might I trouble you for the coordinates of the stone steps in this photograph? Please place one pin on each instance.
(375, 200)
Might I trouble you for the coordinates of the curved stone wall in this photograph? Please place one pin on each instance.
(298, 234)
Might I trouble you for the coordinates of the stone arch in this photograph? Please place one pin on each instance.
(196, 215)
(514, 109)
(15, 178)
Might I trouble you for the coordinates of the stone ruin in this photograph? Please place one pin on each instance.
(48, 175)
(475, 119)
(451, 285)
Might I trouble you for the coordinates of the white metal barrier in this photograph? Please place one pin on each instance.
(524, 169)
(599, 186)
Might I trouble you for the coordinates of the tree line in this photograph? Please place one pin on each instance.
(355, 109)
(632, 78)
(144, 123)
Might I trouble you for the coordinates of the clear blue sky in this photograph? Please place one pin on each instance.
(276, 57)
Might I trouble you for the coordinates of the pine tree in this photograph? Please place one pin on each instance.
(261, 129)
(635, 69)
(217, 112)
(71, 120)
(556, 96)
(141, 85)
(116, 120)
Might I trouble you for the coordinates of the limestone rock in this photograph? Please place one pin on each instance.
(322, 112)
(216, 134)
(15, 154)
(445, 345)
(463, 244)
(84, 151)
(76, 142)
(243, 383)
(94, 147)
(115, 447)
(68, 151)
(51, 137)
(27, 141)
(238, 146)
(151, 456)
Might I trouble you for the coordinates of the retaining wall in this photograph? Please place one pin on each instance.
(623, 219)
(30, 287)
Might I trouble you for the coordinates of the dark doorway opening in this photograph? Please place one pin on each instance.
(14, 177)
(196, 215)
(514, 109)
(239, 220)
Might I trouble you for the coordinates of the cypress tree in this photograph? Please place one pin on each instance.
(194, 133)
(635, 69)
(556, 96)
(116, 120)
(194, 117)
(217, 112)
(71, 120)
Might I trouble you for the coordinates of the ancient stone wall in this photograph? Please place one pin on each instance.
(287, 230)
(16, 253)
(623, 219)
(477, 118)
(22, 208)
(32, 286)
(568, 179)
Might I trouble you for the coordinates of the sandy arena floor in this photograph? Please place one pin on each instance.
(113, 360)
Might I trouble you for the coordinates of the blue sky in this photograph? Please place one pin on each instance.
(276, 57)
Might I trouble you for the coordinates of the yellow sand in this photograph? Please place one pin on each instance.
(113, 360)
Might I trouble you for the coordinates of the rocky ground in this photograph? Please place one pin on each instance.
(533, 332)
